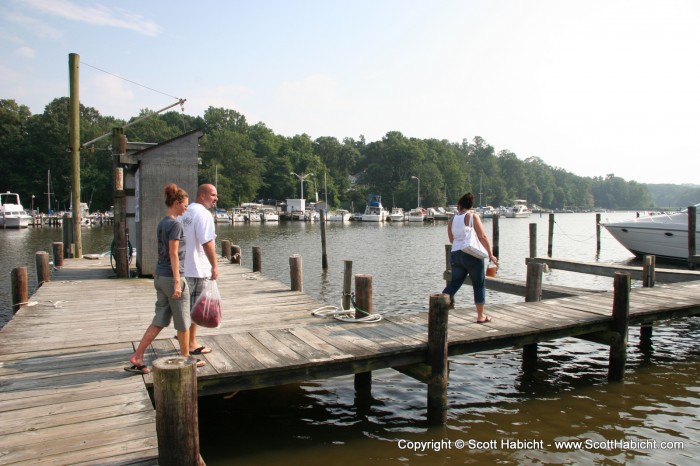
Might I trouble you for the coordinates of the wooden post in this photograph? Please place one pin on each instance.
(692, 227)
(448, 260)
(257, 259)
(533, 240)
(226, 249)
(495, 234)
(295, 273)
(324, 255)
(437, 358)
(20, 288)
(347, 285)
(551, 235)
(57, 248)
(42, 268)
(121, 246)
(621, 309)
(597, 233)
(74, 120)
(533, 293)
(67, 235)
(363, 300)
(177, 421)
(236, 255)
(648, 281)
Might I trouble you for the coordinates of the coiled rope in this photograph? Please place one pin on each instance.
(347, 315)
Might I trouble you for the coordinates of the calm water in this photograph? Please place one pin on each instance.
(491, 400)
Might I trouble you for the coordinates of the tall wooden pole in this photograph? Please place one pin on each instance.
(73, 71)
(121, 252)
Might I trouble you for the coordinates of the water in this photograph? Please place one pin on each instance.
(490, 398)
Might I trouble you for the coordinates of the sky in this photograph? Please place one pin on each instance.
(594, 87)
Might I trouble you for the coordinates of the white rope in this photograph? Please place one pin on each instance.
(345, 315)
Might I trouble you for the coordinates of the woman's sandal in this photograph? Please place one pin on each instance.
(486, 319)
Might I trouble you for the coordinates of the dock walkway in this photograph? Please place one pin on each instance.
(65, 399)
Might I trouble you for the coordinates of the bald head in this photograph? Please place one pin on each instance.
(207, 195)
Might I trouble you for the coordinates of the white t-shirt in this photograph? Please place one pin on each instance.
(199, 229)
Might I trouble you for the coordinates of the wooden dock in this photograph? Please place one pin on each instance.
(65, 398)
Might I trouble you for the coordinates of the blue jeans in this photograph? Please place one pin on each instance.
(464, 264)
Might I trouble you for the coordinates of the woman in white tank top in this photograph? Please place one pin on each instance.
(463, 264)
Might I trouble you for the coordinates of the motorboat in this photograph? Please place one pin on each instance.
(486, 211)
(237, 216)
(374, 211)
(519, 210)
(663, 235)
(438, 213)
(416, 215)
(269, 215)
(12, 214)
(340, 215)
(221, 216)
(396, 215)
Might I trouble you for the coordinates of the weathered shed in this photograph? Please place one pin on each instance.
(173, 161)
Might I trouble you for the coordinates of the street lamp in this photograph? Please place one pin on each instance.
(32, 209)
(416, 178)
(302, 177)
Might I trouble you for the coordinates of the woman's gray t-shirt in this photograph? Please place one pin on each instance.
(169, 229)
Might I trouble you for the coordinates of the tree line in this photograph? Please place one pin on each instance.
(249, 162)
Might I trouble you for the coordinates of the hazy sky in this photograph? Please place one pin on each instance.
(594, 86)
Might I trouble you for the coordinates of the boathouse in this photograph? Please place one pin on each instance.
(148, 169)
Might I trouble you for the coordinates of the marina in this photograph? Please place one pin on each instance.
(248, 326)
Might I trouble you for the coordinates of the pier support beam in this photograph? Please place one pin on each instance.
(621, 309)
(437, 358)
(648, 281)
(363, 300)
(177, 421)
(533, 293)
(347, 284)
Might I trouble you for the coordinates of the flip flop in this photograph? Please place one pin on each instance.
(201, 350)
(200, 363)
(486, 319)
(138, 369)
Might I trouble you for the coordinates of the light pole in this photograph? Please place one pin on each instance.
(32, 209)
(416, 178)
(302, 177)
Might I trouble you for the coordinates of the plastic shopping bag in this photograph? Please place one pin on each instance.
(207, 310)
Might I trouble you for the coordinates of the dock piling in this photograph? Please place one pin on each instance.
(363, 300)
(257, 259)
(551, 235)
(42, 268)
(236, 254)
(437, 358)
(648, 281)
(57, 249)
(177, 422)
(621, 309)
(533, 293)
(226, 249)
(597, 233)
(324, 255)
(295, 273)
(347, 284)
(20, 288)
(495, 236)
(533, 240)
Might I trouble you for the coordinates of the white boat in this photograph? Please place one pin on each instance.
(253, 216)
(664, 235)
(237, 216)
(437, 213)
(340, 215)
(416, 215)
(269, 215)
(12, 214)
(519, 210)
(221, 216)
(396, 215)
(374, 212)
